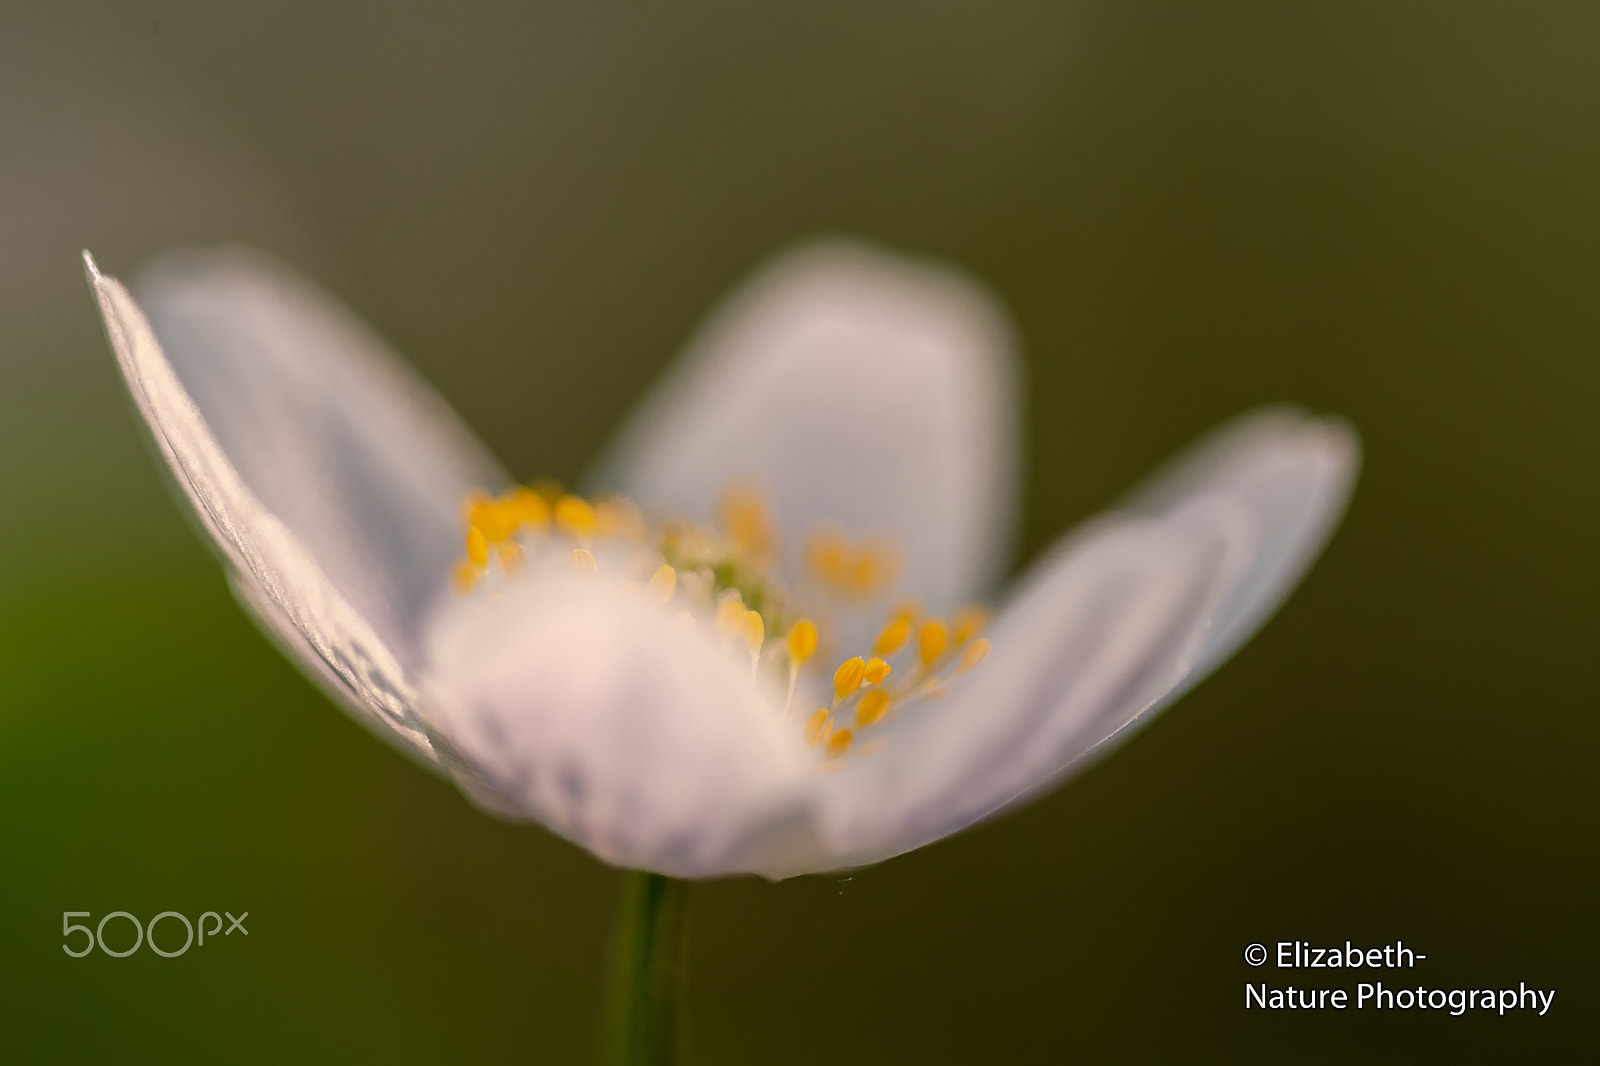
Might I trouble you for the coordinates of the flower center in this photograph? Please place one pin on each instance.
(726, 580)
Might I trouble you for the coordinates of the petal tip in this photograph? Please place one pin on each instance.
(856, 268)
(1341, 442)
(1329, 441)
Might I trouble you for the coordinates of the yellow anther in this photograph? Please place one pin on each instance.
(495, 518)
(872, 568)
(730, 617)
(976, 652)
(894, 635)
(755, 631)
(816, 726)
(872, 707)
(828, 553)
(838, 743)
(464, 576)
(529, 508)
(931, 640)
(509, 553)
(859, 572)
(848, 677)
(477, 547)
(470, 504)
(969, 622)
(742, 513)
(663, 583)
(802, 641)
(575, 517)
(618, 517)
(876, 671)
(583, 562)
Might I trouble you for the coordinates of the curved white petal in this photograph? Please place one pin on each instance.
(1112, 626)
(585, 708)
(855, 387)
(272, 570)
(336, 438)
(1293, 474)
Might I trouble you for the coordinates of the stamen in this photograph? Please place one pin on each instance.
(816, 727)
(719, 570)
(969, 622)
(894, 635)
(529, 508)
(575, 517)
(495, 519)
(742, 513)
(755, 632)
(801, 644)
(858, 572)
(848, 677)
(510, 555)
(616, 516)
(663, 583)
(730, 616)
(872, 707)
(470, 504)
(975, 654)
(477, 547)
(802, 641)
(931, 641)
(874, 565)
(464, 576)
(828, 554)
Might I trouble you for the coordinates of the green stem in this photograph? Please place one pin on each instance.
(650, 964)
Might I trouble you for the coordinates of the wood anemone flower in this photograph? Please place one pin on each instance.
(749, 646)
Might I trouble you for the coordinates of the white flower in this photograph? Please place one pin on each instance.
(846, 419)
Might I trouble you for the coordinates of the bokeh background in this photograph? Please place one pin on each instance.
(1386, 210)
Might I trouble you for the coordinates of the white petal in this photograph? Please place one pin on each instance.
(395, 720)
(273, 572)
(855, 387)
(1115, 624)
(1293, 474)
(328, 430)
(590, 711)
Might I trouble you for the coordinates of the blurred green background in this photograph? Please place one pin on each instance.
(1387, 210)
